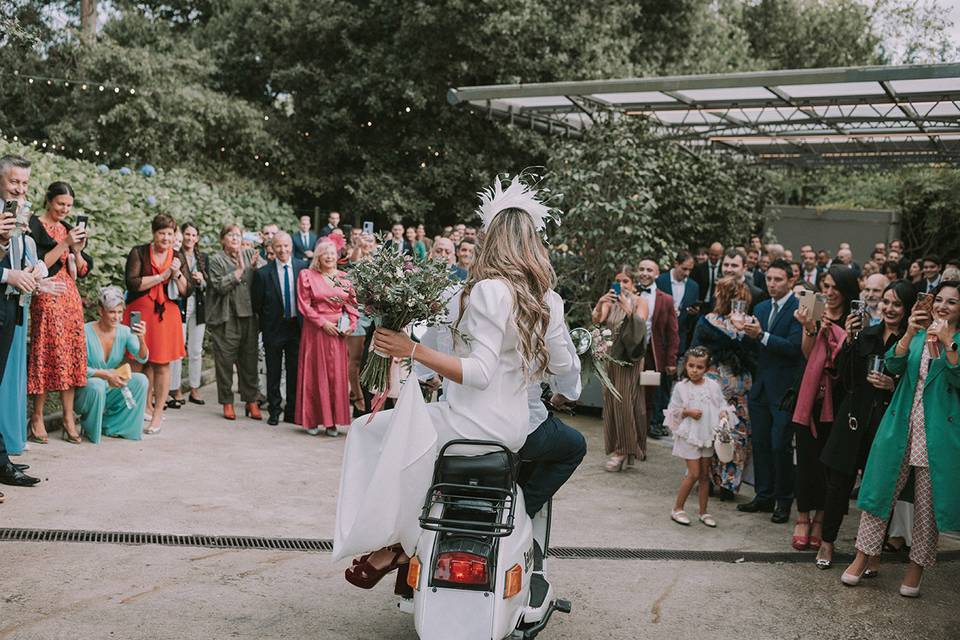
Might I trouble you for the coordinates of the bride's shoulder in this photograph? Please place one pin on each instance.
(492, 288)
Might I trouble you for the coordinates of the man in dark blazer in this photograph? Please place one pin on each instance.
(14, 181)
(706, 275)
(776, 335)
(304, 240)
(678, 284)
(735, 265)
(397, 242)
(273, 293)
(663, 342)
(333, 222)
(810, 271)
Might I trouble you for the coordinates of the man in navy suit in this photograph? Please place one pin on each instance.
(706, 275)
(810, 271)
(776, 335)
(274, 296)
(678, 284)
(304, 240)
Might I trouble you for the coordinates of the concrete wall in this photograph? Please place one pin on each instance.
(827, 228)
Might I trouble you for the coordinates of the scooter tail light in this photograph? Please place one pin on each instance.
(513, 581)
(413, 574)
(458, 567)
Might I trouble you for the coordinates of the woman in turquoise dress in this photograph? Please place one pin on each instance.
(102, 404)
(13, 390)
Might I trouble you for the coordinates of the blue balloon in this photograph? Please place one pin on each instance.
(148, 170)
(125, 171)
(152, 201)
(102, 168)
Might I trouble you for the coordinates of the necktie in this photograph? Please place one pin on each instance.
(773, 314)
(713, 275)
(287, 303)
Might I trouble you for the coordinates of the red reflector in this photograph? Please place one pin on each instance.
(461, 568)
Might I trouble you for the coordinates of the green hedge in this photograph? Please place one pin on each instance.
(121, 207)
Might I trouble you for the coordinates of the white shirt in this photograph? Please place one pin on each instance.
(932, 284)
(293, 289)
(810, 276)
(566, 383)
(678, 288)
(651, 299)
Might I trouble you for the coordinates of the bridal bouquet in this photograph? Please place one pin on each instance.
(593, 347)
(395, 291)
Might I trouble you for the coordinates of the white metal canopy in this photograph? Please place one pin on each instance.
(838, 115)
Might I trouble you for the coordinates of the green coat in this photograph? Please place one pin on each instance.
(941, 407)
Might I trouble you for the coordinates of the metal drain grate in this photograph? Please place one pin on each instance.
(325, 546)
(123, 537)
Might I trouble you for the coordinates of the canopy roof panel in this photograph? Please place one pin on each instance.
(806, 116)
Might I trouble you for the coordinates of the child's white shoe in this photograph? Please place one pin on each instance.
(708, 520)
(680, 517)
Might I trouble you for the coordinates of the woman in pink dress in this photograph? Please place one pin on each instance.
(327, 303)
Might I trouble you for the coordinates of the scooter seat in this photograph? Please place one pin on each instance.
(488, 471)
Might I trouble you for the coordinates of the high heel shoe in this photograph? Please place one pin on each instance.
(72, 439)
(37, 439)
(366, 576)
(252, 411)
(911, 592)
(800, 543)
(851, 579)
(228, 412)
(615, 463)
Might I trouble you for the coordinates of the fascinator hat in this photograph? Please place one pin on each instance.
(111, 297)
(524, 192)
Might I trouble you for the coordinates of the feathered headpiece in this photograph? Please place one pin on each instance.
(517, 195)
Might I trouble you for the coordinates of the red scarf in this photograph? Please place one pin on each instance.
(158, 292)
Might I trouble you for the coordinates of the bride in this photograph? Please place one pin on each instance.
(502, 343)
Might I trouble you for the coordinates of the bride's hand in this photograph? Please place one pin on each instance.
(392, 343)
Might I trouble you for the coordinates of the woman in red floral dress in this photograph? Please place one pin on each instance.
(57, 360)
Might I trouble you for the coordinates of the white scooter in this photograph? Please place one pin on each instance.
(480, 571)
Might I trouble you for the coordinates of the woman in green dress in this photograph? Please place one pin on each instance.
(110, 405)
(918, 436)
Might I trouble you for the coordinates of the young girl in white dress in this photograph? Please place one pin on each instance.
(695, 412)
(388, 462)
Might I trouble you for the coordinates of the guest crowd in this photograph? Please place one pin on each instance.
(836, 380)
(814, 378)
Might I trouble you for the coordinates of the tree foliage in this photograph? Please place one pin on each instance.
(626, 198)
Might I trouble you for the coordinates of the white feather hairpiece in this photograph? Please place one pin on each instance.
(517, 195)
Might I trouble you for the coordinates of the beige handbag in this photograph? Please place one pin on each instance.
(650, 378)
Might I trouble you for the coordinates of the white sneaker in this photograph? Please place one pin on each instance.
(313, 432)
(332, 432)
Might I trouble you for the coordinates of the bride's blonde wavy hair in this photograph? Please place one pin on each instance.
(511, 249)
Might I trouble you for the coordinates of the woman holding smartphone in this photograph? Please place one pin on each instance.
(813, 414)
(57, 360)
(864, 389)
(625, 313)
(918, 436)
(154, 275)
(192, 316)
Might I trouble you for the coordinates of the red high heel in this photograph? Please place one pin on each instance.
(366, 576)
(800, 543)
(252, 411)
(228, 412)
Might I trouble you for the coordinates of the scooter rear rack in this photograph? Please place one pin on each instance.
(495, 506)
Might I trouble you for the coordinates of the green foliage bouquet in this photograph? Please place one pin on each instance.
(396, 291)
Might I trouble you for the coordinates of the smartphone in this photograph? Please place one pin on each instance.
(82, 221)
(925, 303)
(135, 317)
(616, 288)
(368, 226)
(814, 303)
(10, 207)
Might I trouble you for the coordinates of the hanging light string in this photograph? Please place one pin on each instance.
(99, 87)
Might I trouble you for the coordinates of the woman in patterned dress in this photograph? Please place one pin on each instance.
(732, 365)
(57, 360)
(919, 435)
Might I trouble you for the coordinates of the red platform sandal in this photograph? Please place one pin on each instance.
(364, 575)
